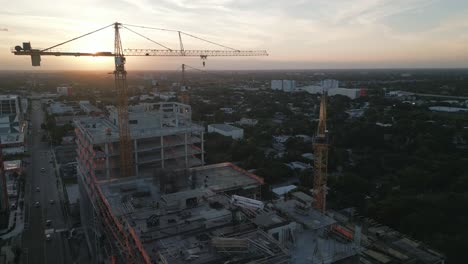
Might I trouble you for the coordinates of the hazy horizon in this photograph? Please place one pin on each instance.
(359, 34)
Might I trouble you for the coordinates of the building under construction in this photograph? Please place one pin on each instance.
(162, 135)
(175, 210)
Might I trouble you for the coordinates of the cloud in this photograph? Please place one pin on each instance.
(295, 30)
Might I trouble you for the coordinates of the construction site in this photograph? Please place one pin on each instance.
(147, 196)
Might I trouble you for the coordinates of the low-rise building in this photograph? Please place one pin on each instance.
(59, 108)
(65, 91)
(447, 109)
(90, 109)
(247, 121)
(226, 130)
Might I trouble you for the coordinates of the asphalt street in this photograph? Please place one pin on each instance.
(35, 247)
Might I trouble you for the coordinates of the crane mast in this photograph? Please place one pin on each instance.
(120, 75)
(320, 146)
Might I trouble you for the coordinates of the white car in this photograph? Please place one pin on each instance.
(42, 169)
(37, 204)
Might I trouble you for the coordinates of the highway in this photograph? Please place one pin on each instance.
(35, 247)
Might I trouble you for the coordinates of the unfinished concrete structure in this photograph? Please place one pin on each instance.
(163, 136)
(176, 217)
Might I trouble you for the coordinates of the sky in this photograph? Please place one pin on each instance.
(298, 34)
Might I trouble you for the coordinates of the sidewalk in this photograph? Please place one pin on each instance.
(15, 224)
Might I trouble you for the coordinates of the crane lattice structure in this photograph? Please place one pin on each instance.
(320, 146)
(117, 229)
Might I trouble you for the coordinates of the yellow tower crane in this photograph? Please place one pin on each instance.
(119, 54)
(320, 146)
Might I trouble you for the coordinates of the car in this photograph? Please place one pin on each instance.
(51, 201)
(37, 204)
(48, 223)
(13, 206)
(38, 189)
(48, 237)
(42, 169)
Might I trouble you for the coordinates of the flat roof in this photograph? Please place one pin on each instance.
(310, 217)
(181, 216)
(224, 176)
(12, 165)
(283, 189)
(225, 127)
(101, 129)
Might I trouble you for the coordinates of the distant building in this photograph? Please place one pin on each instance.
(87, 107)
(247, 122)
(283, 85)
(227, 110)
(65, 91)
(4, 204)
(348, 92)
(9, 105)
(226, 130)
(329, 84)
(281, 191)
(297, 165)
(11, 124)
(59, 108)
(448, 109)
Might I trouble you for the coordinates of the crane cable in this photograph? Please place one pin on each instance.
(187, 34)
(147, 38)
(78, 37)
(207, 72)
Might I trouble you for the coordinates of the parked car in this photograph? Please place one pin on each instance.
(37, 204)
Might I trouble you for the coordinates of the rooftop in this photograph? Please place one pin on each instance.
(225, 127)
(307, 216)
(189, 224)
(145, 121)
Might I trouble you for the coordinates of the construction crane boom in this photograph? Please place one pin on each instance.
(144, 52)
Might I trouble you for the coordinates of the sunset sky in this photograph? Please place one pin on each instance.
(298, 34)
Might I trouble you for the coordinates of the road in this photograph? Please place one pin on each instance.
(35, 247)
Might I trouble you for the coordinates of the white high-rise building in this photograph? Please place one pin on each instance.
(329, 84)
(283, 85)
(277, 84)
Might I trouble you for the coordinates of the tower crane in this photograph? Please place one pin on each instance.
(320, 146)
(120, 54)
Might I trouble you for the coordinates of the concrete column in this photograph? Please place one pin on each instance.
(135, 149)
(186, 151)
(162, 152)
(203, 148)
(106, 150)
